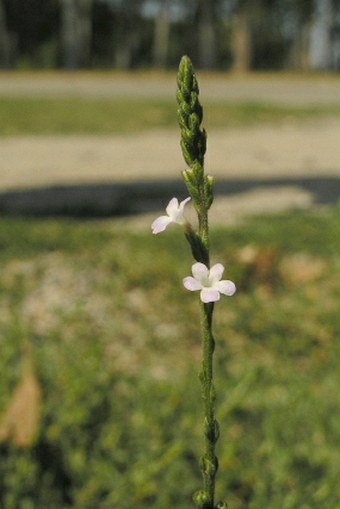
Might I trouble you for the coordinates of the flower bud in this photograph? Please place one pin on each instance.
(221, 505)
(201, 499)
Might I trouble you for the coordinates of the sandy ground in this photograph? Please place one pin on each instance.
(267, 153)
(277, 88)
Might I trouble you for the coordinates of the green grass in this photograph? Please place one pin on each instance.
(21, 116)
(115, 341)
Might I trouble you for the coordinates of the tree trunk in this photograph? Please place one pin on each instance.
(207, 34)
(5, 40)
(320, 48)
(161, 35)
(126, 34)
(85, 30)
(241, 40)
(300, 48)
(76, 33)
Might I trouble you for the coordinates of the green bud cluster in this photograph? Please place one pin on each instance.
(193, 144)
(200, 186)
(202, 500)
(190, 114)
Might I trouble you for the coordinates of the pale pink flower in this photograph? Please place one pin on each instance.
(175, 214)
(209, 282)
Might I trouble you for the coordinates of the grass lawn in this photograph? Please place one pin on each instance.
(29, 116)
(115, 347)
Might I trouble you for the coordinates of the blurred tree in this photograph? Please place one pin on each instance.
(242, 35)
(268, 42)
(257, 41)
(5, 39)
(102, 34)
(76, 33)
(32, 24)
(321, 35)
(246, 34)
(207, 32)
(161, 34)
(296, 15)
(126, 31)
(272, 33)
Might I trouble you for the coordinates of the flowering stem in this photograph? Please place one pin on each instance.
(200, 187)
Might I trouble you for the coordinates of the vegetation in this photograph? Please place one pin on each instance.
(242, 34)
(104, 116)
(105, 316)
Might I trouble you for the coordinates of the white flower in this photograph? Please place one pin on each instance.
(209, 282)
(175, 215)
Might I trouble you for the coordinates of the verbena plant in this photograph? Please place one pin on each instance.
(205, 279)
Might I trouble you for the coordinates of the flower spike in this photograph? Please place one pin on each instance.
(208, 281)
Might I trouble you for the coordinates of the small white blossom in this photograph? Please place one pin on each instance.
(209, 282)
(174, 212)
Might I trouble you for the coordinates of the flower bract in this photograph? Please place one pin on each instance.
(209, 282)
(175, 214)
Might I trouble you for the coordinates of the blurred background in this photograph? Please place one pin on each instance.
(220, 34)
(100, 404)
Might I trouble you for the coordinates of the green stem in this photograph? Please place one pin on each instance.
(209, 463)
(203, 229)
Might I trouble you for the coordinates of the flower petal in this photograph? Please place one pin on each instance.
(226, 287)
(209, 295)
(172, 207)
(199, 271)
(160, 224)
(191, 284)
(216, 272)
(184, 202)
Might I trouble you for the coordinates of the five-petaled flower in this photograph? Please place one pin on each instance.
(175, 214)
(209, 282)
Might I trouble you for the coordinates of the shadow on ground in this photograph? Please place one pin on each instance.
(123, 199)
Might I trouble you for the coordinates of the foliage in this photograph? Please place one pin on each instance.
(114, 353)
(38, 33)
